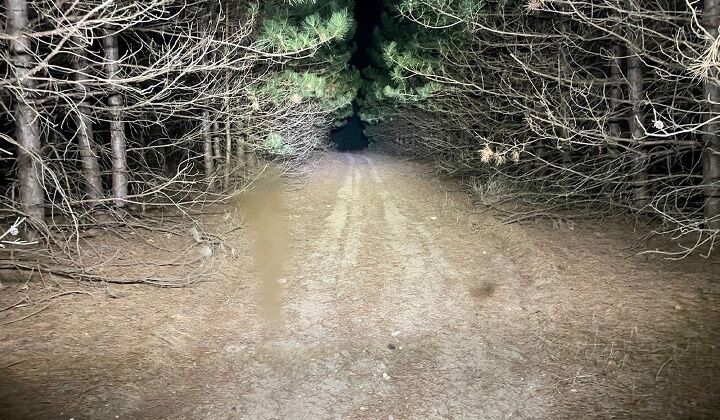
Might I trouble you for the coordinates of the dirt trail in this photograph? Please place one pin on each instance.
(376, 320)
(391, 307)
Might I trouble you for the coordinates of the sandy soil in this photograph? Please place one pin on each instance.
(378, 291)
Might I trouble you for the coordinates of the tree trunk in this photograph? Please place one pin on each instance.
(615, 93)
(217, 145)
(208, 147)
(118, 150)
(616, 79)
(27, 124)
(711, 140)
(142, 149)
(86, 141)
(228, 123)
(228, 150)
(251, 160)
(538, 148)
(641, 196)
(240, 152)
(206, 125)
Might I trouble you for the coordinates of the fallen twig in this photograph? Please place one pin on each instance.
(20, 302)
(12, 321)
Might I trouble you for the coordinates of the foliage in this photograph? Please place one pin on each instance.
(587, 106)
(201, 91)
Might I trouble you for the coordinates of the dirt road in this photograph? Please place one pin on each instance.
(380, 318)
(392, 302)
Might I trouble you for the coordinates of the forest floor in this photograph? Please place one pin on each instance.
(376, 290)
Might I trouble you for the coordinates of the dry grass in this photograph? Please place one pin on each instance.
(622, 335)
(105, 343)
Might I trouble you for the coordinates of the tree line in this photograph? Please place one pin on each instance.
(110, 104)
(546, 107)
(593, 107)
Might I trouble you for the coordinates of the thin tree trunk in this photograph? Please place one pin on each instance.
(217, 145)
(240, 152)
(27, 124)
(206, 126)
(207, 146)
(616, 78)
(565, 117)
(539, 148)
(228, 123)
(251, 160)
(118, 148)
(228, 150)
(142, 150)
(711, 140)
(635, 77)
(86, 141)
(615, 92)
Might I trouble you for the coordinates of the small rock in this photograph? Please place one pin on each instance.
(386, 376)
(678, 307)
(113, 294)
(282, 280)
(395, 333)
(206, 251)
(433, 218)
(345, 353)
